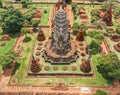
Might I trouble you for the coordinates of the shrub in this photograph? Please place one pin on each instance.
(109, 66)
(24, 31)
(7, 59)
(75, 17)
(45, 11)
(35, 23)
(99, 38)
(94, 18)
(105, 6)
(117, 12)
(95, 47)
(28, 15)
(24, 4)
(75, 28)
(100, 92)
(93, 33)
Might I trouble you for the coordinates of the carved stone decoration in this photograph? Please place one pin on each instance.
(60, 43)
(35, 67)
(60, 48)
(85, 66)
(80, 36)
(41, 36)
(60, 86)
(108, 16)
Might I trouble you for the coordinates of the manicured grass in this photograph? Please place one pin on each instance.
(21, 73)
(8, 46)
(45, 16)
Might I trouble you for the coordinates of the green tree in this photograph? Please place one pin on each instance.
(100, 92)
(28, 15)
(78, 27)
(117, 13)
(7, 59)
(105, 6)
(34, 23)
(12, 21)
(99, 38)
(75, 28)
(24, 31)
(115, 74)
(93, 33)
(108, 64)
(95, 47)
(25, 3)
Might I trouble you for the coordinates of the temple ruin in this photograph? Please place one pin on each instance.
(60, 48)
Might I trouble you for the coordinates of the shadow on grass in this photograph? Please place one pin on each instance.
(27, 39)
(16, 68)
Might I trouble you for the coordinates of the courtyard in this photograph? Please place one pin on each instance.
(95, 41)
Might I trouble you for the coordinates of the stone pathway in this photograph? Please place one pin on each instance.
(72, 90)
(18, 44)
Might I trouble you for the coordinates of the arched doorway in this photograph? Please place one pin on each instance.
(68, 1)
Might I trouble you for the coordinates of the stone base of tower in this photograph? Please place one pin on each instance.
(54, 58)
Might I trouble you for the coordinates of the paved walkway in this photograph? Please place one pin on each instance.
(72, 90)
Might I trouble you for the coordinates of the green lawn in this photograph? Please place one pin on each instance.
(8, 46)
(20, 74)
(45, 16)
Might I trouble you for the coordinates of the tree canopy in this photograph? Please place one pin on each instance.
(95, 47)
(24, 31)
(96, 35)
(28, 15)
(100, 92)
(108, 65)
(8, 58)
(12, 21)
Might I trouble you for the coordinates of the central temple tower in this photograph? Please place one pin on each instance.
(60, 43)
(60, 48)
